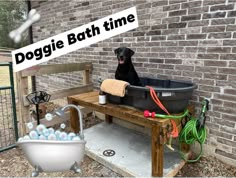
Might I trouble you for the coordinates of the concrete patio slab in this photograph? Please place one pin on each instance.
(132, 151)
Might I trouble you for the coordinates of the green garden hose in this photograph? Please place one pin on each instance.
(162, 116)
(191, 134)
(194, 131)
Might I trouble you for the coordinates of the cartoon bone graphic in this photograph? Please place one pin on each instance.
(16, 34)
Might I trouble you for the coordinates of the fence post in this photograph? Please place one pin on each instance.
(86, 75)
(13, 98)
(22, 89)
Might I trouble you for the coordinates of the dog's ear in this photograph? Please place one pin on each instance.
(116, 51)
(130, 52)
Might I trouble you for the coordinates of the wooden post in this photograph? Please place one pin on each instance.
(108, 119)
(86, 75)
(74, 118)
(22, 90)
(157, 152)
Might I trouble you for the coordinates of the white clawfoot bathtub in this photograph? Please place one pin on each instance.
(52, 156)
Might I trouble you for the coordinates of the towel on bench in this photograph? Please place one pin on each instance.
(114, 87)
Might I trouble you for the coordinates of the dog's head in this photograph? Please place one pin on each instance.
(124, 55)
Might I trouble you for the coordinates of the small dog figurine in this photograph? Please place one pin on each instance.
(125, 70)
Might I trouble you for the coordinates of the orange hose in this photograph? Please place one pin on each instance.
(155, 98)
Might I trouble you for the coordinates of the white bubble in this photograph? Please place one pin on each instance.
(20, 139)
(63, 126)
(63, 136)
(45, 132)
(42, 137)
(40, 128)
(30, 125)
(57, 132)
(51, 130)
(33, 135)
(52, 137)
(76, 138)
(26, 137)
(71, 135)
(48, 117)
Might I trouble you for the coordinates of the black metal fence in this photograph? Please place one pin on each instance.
(8, 119)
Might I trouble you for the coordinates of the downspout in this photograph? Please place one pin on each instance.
(33, 78)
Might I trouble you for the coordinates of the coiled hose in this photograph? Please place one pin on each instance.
(194, 129)
(190, 134)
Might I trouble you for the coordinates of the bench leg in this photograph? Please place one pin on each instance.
(74, 119)
(108, 119)
(157, 152)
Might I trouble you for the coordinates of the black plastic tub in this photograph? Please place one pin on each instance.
(174, 95)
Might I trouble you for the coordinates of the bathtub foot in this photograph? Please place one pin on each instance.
(75, 168)
(36, 171)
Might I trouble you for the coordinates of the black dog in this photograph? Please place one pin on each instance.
(125, 70)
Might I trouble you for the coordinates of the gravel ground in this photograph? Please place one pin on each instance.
(207, 167)
(13, 163)
(17, 165)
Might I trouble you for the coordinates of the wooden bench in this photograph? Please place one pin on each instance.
(159, 127)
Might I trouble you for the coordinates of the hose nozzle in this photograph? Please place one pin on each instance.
(169, 144)
(202, 117)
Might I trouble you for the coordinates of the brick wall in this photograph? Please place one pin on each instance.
(178, 39)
